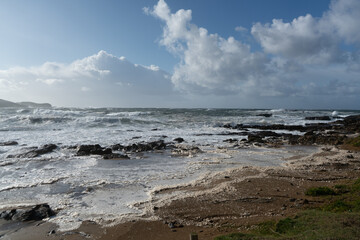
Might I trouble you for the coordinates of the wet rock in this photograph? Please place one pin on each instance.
(86, 150)
(117, 147)
(255, 138)
(141, 147)
(322, 139)
(351, 124)
(35, 152)
(323, 118)
(264, 115)
(178, 140)
(8, 143)
(35, 213)
(231, 140)
(115, 156)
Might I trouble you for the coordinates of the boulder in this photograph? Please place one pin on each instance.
(86, 150)
(35, 152)
(8, 143)
(34, 213)
(141, 147)
(178, 140)
(264, 115)
(323, 118)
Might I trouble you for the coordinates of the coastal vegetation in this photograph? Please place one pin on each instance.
(337, 218)
(354, 142)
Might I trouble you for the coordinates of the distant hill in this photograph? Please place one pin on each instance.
(35, 105)
(4, 103)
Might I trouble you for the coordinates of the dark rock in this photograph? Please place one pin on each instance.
(141, 147)
(178, 140)
(171, 225)
(115, 156)
(46, 149)
(204, 134)
(35, 213)
(35, 152)
(8, 143)
(85, 150)
(351, 124)
(332, 133)
(322, 139)
(117, 147)
(230, 140)
(264, 115)
(324, 118)
(255, 138)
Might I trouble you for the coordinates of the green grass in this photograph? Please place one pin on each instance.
(338, 218)
(307, 225)
(319, 191)
(355, 142)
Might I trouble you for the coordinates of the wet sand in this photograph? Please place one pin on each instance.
(227, 202)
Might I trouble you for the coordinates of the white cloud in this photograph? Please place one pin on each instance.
(344, 16)
(49, 81)
(240, 29)
(208, 61)
(113, 81)
(300, 59)
(303, 39)
(313, 40)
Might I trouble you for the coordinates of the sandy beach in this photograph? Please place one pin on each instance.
(227, 202)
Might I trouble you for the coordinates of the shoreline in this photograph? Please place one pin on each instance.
(233, 200)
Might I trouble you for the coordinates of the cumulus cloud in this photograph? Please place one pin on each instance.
(313, 40)
(343, 16)
(303, 39)
(299, 57)
(208, 61)
(98, 80)
(240, 29)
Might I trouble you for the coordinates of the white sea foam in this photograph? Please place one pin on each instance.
(90, 188)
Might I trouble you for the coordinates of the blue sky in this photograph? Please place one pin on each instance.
(258, 53)
(34, 32)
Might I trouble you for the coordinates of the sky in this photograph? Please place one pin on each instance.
(167, 53)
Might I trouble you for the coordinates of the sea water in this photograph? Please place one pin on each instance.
(90, 188)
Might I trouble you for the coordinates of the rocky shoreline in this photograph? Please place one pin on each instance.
(228, 201)
(331, 133)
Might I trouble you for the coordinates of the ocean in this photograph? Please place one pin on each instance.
(83, 188)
